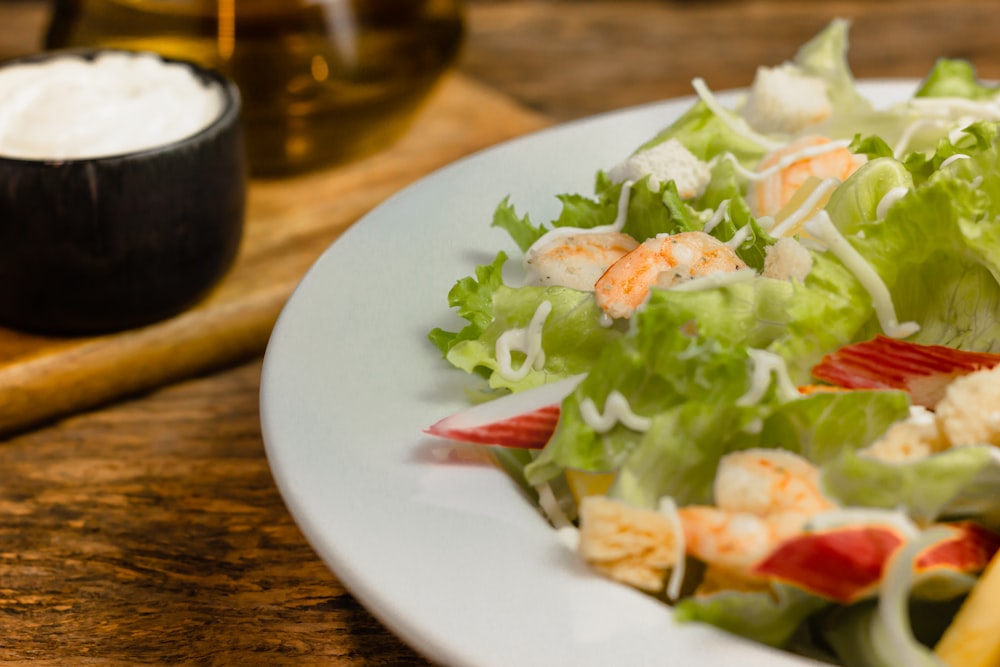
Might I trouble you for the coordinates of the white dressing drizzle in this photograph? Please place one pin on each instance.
(713, 280)
(784, 162)
(622, 216)
(899, 150)
(717, 216)
(939, 112)
(960, 108)
(888, 199)
(767, 365)
(736, 124)
(747, 174)
(569, 537)
(550, 506)
(823, 229)
(739, 237)
(616, 410)
(527, 340)
(825, 187)
(669, 508)
(619, 223)
(953, 158)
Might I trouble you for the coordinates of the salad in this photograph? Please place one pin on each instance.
(755, 372)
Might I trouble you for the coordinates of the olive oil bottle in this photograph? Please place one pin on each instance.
(323, 81)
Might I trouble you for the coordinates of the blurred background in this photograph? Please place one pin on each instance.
(568, 63)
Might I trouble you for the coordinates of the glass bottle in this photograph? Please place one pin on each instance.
(323, 81)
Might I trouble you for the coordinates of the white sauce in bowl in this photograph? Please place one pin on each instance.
(73, 108)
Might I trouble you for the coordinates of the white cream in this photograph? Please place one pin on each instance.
(890, 198)
(823, 229)
(767, 365)
(74, 108)
(616, 411)
(527, 340)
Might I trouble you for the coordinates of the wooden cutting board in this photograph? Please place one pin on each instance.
(290, 222)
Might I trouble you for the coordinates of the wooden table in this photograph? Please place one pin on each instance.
(146, 526)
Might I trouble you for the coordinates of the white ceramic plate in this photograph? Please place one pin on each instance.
(450, 556)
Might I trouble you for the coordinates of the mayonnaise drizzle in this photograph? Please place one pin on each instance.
(899, 150)
(952, 159)
(669, 507)
(527, 340)
(616, 410)
(736, 124)
(765, 366)
(950, 106)
(619, 222)
(713, 280)
(739, 237)
(825, 187)
(717, 216)
(823, 229)
(888, 199)
(942, 112)
(784, 162)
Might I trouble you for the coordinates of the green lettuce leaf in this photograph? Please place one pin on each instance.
(707, 136)
(688, 376)
(938, 252)
(572, 337)
(679, 456)
(958, 483)
(855, 203)
(472, 297)
(771, 617)
(825, 56)
(952, 77)
(520, 228)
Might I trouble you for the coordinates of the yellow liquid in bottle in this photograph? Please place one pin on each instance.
(323, 81)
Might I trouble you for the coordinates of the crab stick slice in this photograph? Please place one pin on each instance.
(846, 564)
(524, 420)
(887, 363)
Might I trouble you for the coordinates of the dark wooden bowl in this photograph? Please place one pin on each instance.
(103, 244)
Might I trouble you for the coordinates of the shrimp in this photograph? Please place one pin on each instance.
(768, 481)
(735, 541)
(661, 261)
(763, 497)
(789, 167)
(576, 260)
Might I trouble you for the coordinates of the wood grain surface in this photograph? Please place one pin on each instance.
(149, 531)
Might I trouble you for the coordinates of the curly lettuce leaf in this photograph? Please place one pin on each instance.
(472, 297)
(572, 337)
(520, 228)
(938, 252)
